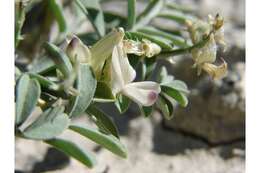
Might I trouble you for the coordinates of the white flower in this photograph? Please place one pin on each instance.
(144, 93)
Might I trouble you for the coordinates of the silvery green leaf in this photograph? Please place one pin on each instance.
(103, 93)
(42, 65)
(150, 12)
(176, 40)
(18, 73)
(86, 86)
(165, 106)
(146, 110)
(103, 121)
(27, 94)
(109, 142)
(131, 14)
(44, 81)
(60, 58)
(122, 103)
(177, 95)
(73, 150)
(57, 11)
(49, 124)
(93, 11)
(176, 16)
(178, 85)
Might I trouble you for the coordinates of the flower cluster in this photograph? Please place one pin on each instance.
(205, 55)
(114, 48)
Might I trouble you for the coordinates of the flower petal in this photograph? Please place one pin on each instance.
(102, 49)
(144, 93)
(122, 72)
(216, 72)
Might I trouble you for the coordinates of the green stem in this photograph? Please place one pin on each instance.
(186, 50)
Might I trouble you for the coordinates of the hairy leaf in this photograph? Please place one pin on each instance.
(27, 94)
(60, 58)
(56, 9)
(131, 13)
(103, 121)
(93, 11)
(107, 141)
(122, 103)
(151, 11)
(49, 124)
(86, 86)
(73, 150)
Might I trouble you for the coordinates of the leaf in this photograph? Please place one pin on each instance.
(131, 14)
(176, 16)
(18, 73)
(73, 150)
(163, 76)
(27, 94)
(42, 65)
(56, 9)
(150, 12)
(114, 20)
(149, 66)
(176, 40)
(50, 123)
(86, 86)
(178, 85)
(165, 44)
(19, 20)
(93, 11)
(103, 93)
(122, 103)
(103, 121)
(146, 110)
(165, 106)
(107, 141)
(179, 96)
(60, 58)
(184, 8)
(44, 81)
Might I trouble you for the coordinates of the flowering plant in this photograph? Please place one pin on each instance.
(71, 75)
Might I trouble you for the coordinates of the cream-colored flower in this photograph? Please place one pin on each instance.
(205, 56)
(98, 53)
(144, 93)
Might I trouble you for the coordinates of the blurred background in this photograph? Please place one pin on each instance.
(206, 137)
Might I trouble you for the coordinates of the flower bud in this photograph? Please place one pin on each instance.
(77, 51)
